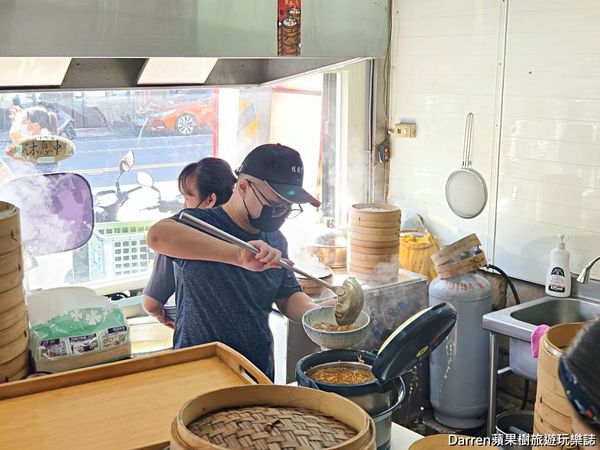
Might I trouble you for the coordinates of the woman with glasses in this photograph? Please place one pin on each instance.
(579, 373)
(203, 184)
(225, 293)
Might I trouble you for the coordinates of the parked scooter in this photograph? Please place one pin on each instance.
(108, 203)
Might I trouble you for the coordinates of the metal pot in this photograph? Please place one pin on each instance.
(515, 423)
(333, 256)
(378, 399)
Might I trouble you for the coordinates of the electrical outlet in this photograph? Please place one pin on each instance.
(405, 130)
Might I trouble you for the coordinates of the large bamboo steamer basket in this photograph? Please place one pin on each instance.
(550, 393)
(10, 334)
(360, 259)
(440, 442)
(16, 368)
(10, 228)
(11, 261)
(11, 280)
(11, 299)
(14, 348)
(366, 246)
(8, 317)
(550, 417)
(375, 212)
(359, 248)
(368, 233)
(373, 224)
(328, 404)
(21, 374)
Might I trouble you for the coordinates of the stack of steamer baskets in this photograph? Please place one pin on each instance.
(552, 412)
(374, 239)
(14, 323)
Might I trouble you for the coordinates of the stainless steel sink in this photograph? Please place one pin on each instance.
(552, 312)
(519, 321)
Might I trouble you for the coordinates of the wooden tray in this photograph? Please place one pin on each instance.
(126, 404)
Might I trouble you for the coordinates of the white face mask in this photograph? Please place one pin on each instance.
(24, 129)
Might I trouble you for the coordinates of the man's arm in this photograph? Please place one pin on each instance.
(155, 309)
(295, 306)
(177, 240)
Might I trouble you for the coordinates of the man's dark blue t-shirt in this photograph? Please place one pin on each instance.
(229, 304)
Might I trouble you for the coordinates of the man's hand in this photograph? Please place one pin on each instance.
(266, 258)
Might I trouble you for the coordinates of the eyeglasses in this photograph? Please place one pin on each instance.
(278, 211)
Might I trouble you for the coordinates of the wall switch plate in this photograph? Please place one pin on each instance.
(405, 130)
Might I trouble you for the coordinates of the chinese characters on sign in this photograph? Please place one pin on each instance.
(41, 149)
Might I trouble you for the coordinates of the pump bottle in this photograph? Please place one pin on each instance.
(558, 279)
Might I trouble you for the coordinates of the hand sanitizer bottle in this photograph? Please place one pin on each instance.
(558, 279)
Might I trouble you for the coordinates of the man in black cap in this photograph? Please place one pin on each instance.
(226, 293)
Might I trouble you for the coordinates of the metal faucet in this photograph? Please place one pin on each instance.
(584, 276)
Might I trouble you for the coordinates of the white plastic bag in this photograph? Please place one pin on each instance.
(73, 327)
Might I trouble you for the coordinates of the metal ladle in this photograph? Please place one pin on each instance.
(350, 297)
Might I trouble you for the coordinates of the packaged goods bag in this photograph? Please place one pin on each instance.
(73, 328)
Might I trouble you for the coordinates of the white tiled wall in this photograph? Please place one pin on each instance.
(443, 66)
(445, 63)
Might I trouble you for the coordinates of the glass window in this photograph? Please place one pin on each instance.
(165, 130)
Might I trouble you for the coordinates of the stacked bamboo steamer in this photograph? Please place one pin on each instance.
(552, 412)
(14, 322)
(374, 239)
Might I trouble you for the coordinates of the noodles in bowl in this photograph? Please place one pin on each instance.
(321, 327)
(325, 326)
(343, 375)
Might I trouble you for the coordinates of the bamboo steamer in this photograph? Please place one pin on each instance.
(21, 374)
(360, 259)
(10, 229)
(416, 248)
(9, 317)
(552, 412)
(10, 334)
(441, 442)
(373, 237)
(374, 233)
(328, 404)
(373, 247)
(551, 418)
(373, 224)
(369, 251)
(16, 368)
(375, 212)
(9, 300)
(10, 262)
(14, 348)
(11, 280)
(374, 241)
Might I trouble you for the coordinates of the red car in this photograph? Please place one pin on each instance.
(183, 119)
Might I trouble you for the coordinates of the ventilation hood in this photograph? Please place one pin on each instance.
(113, 44)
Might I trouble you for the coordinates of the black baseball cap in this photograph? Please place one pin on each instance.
(281, 168)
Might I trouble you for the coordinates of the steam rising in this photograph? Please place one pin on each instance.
(55, 211)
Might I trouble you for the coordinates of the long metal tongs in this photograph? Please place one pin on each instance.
(350, 297)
